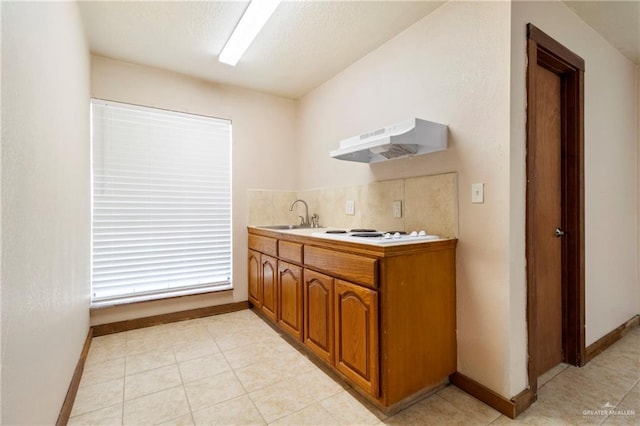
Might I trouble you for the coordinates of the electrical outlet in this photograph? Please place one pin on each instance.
(477, 192)
(397, 209)
(350, 207)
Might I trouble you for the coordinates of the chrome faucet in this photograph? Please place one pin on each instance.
(305, 220)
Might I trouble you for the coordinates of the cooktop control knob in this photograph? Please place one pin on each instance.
(422, 233)
(396, 235)
(413, 234)
(387, 236)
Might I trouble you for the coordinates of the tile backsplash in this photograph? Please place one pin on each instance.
(428, 202)
(268, 207)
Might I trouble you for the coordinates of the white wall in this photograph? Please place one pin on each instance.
(463, 65)
(0, 216)
(610, 155)
(451, 67)
(264, 153)
(45, 199)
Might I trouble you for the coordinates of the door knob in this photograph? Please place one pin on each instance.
(559, 233)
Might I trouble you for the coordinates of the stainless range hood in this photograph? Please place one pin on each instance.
(410, 137)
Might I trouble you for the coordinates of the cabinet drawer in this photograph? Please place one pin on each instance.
(290, 251)
(359, 269)
(263, 244)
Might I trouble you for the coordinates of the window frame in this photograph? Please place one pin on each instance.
(172, 292)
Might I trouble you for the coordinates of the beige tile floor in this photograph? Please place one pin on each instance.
(235, 369)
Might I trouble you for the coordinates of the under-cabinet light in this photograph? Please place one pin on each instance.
(257, 14)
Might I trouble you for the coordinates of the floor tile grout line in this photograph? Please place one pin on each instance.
(312, 403)
(312, 368)
(453, 404)
(254, 402)
(366, 406)
(243, 387)
(304, 408)
(99, 407)
(622, 399)
(184, 389)
(154, 368)
(629, 391)
(93, 411)
(124, 380)
(152, 393)
(445, 400)
(244, 366)
(320, 401)
(554, 376)
(172, 348)
(289, 414)
(267, 385)
(256, 408)
(231, 369)
(496, 419)
(227, 356)
(101, 381)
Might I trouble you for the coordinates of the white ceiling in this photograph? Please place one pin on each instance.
(616, 21)
(303, 44)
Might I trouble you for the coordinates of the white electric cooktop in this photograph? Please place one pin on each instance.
(371, 236)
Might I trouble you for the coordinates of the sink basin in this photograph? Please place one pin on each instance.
(283, 227)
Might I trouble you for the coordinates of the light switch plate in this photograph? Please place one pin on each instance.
(350, 207)
(477, 192)
(397, 208)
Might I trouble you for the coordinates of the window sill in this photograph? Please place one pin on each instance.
(165, 296)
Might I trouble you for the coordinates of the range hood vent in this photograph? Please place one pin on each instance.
(410, 137)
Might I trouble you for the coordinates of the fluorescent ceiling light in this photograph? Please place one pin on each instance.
(257, 14)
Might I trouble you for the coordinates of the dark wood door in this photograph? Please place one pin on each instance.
(356, 334)
(545, 187)
(555, 183)
(318, 314)
(290, 295)
(268, 272)
(255, 287)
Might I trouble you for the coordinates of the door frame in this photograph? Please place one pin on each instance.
(544, 51)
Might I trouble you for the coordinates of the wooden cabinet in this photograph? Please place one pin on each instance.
(254, 279)
(262, 282)
(290, 296)
(262, 274)
(356, 334)
(382, 317)
(318, 314)
(268, 272)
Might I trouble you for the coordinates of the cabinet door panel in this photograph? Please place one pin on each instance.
(318, 314)
(269, 286)
(356, 334)
(255, 287)
(290, 295)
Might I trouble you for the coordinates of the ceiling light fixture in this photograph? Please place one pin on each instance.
(257, 14)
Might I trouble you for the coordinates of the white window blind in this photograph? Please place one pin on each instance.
(161, 217)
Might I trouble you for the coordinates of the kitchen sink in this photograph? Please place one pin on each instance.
(282, 227)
